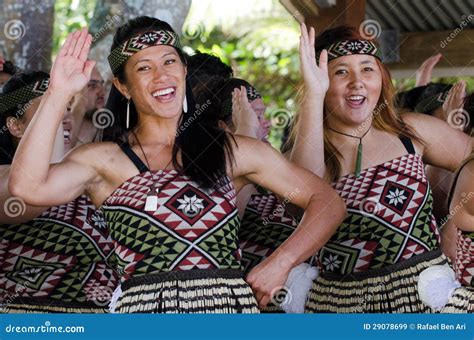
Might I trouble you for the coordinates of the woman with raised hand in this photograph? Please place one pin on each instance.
(167, 188)
(348, 132)
(53, 259)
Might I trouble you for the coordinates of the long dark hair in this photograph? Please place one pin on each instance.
(204, 147)
(17, 81)
(385, 116)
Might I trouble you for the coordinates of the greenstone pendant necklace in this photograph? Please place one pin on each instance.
(359, 149)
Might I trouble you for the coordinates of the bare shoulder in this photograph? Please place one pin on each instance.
(94, 154)
(421, 123)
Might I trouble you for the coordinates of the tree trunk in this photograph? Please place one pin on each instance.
(26, 33)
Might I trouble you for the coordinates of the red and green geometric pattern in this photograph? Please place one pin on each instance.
(191, 228)
(464, 263)
(389, 218)
(61, 255)
(264, 227)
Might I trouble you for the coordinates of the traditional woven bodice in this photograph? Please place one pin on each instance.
(61, 255)
(389, 218)
(191, 228)
(464, 263)
(265, 226)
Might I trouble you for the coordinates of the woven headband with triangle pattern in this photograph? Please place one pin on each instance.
(23, 95)
(124, 51)
(349, 47)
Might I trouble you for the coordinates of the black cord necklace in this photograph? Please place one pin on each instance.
(151, 203)
(358, 164)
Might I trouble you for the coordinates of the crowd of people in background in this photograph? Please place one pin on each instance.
(182, 206)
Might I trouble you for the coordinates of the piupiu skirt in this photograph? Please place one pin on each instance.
(38, 305)
(393, 289)
(191, 291)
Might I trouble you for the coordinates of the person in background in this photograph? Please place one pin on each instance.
(89, 104)
(52, 259)
(451, 104)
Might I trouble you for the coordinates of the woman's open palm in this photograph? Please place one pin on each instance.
(71, 70)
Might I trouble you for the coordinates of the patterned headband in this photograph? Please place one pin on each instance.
(123, 52)
(349, 47)
(23, 95)
(252, 94)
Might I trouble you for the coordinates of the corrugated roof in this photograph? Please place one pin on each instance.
(421, 15)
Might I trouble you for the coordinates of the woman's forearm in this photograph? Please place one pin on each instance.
(323, 215)
(32, 158)
(308, 148)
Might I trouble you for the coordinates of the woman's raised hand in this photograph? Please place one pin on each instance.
(316, 78)
(71, 70)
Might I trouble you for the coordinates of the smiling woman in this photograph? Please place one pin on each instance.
(348, 132)
(168, 198)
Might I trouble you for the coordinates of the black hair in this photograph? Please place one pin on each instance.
(204, 147)
(17, 81)
(9, 68)
(205, 68)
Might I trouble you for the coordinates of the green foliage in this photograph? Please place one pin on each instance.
(70, 15)
(260, 57)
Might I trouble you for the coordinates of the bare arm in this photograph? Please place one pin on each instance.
(13, 209)
(445, 147)
(324, 211)
(308, 148)
(462, 205)
(32, 177)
